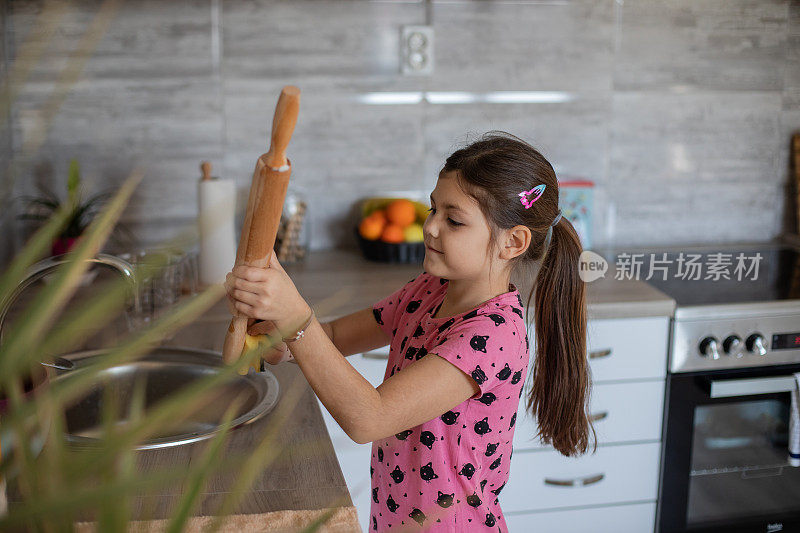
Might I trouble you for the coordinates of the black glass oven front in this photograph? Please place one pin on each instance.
(725, 460)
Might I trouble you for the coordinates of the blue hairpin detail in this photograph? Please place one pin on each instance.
(536, 192)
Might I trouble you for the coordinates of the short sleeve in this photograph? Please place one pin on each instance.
(387, 311)
(485, 347)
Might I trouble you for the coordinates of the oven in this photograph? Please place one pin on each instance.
(725, 464)
(734, 348)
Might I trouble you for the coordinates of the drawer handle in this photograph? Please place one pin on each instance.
(375, 355)
(598, 354)
(589, 480)
(594, 417)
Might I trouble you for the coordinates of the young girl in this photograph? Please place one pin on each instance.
(442, 422)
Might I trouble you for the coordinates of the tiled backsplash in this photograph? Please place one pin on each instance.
(680, 112)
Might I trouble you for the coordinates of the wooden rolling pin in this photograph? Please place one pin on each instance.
(264, 208)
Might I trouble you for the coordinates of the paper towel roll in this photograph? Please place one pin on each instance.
(216, 215)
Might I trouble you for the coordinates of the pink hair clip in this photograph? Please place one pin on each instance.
(537, 193)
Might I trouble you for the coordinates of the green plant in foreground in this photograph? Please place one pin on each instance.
(60, 485)
(80, 215)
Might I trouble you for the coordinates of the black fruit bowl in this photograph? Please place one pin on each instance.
(389, 252)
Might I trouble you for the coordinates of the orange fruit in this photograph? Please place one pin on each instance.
(392, 233)
(401, 212)
(371, 228)
(378, 214)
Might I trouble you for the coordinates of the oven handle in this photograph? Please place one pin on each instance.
(727, 388)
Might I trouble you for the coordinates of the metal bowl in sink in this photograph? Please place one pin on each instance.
(164, 371)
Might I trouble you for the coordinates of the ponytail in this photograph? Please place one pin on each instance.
(559, 396)
(494, 170)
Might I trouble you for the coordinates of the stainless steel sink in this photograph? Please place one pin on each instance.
(164, 371)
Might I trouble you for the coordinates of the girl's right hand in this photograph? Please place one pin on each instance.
(275, 354)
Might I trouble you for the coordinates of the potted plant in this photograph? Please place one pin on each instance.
(81, 213)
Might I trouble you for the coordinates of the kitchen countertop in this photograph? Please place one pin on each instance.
(339, 282)
(304, 475)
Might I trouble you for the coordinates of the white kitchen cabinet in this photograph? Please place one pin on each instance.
(628, 362)
(630, 518)
(354, 458)
(627, 348)
(614, 474)
(623, 412)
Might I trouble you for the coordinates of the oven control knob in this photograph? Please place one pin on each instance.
(733, 345)
(709, 347)
(755, 344)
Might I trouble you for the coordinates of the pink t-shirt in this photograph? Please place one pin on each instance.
(446, 474)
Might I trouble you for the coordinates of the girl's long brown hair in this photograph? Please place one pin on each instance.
(494, 170)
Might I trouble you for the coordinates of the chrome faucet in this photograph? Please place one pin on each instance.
(45, 266)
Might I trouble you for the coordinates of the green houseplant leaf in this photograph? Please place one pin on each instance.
(81, 213)
(59, 484)
(74, 182)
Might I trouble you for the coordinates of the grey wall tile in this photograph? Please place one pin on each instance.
(156, 117)
(571, 135)
(680, 111)
(790, 118)
(722, 138)
(333, 131)
(147, 97)
(146, 38)
(702, 213)
(284, 39)
(714, 44)
(490, 46)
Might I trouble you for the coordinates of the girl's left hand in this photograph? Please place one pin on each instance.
(267, 294)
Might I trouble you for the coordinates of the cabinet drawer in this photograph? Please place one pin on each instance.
(627, 348)
(624, 348)
(634, 518)
(622, 412)
(614, 474)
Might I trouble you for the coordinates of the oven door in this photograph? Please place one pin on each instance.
(725, 460)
